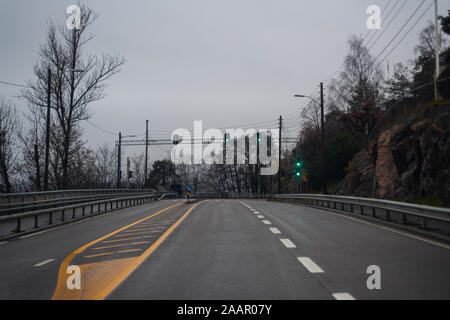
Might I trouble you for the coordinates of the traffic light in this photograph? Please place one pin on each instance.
(226, 137)
(258, 138)
(298, 168)
(130, 174)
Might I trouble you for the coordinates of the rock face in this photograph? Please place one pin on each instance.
(410, 160)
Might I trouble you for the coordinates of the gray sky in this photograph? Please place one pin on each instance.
(226, 62)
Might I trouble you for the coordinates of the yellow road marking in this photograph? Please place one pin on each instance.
(110, 253)
(102, 294)
(132, 234)
(62, 275)
(126, 239)
(142, 229)
(121, 245)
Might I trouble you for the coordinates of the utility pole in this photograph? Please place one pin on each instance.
(146, 153)
(119, 156)
(128, 171)
(324, 157)
(258, 186)
(47, 134)
(436, 48)
(279, 155)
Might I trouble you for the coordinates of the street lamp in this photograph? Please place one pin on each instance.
(324, 164)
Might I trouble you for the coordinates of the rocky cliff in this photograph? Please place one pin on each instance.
(410, 160)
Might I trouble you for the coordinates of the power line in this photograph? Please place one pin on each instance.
(14, 84)
(101, 129)
(396, 35)
(404, 36)
(389, 23)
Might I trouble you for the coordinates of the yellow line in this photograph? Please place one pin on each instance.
(109, 253)
(66, 261)
(133, 265)
(132, 234)
(126, 239)
(142, 229)
(121, 245)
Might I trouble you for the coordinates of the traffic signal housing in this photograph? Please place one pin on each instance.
(298, 168)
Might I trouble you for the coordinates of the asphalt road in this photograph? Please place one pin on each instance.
(224, 249)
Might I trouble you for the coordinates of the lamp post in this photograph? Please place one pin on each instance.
(322, 129)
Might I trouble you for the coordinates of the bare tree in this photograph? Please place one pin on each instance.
(76, 81)
(137, 163)
(8, 147)
(105, 159)
(358, 84)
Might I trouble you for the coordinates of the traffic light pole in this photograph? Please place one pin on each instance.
(279, 156)
(324, 156)
(146, 153)
(119, 156)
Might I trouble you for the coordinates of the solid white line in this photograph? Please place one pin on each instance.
(310, 265)
(43, 262)
(275, 230)
(260, 216)
(343, 296)
(3, 242)
(288, 243)
(33, 234)
(266, 222)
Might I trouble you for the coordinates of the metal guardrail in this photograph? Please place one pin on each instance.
(42, 204)
(11, 198)
(102, 206)
(388, 207)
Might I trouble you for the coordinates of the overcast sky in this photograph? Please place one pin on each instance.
(226, 62)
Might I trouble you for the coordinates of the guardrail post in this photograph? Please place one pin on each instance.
(351, 207)
(50, 218)
(425, 223)
(374, 210)
(388, 215)
(18, 227)
(73, 213)
(36, 221)
(92, 208)
(82, 211)
(62, 215)
(404, 220)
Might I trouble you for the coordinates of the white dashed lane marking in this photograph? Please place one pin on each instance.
(43, 262)
(3, 242)
(275, 230)
(343, 296)
(310, 265)
(260, 216)
(266, 222)
(288, 243)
